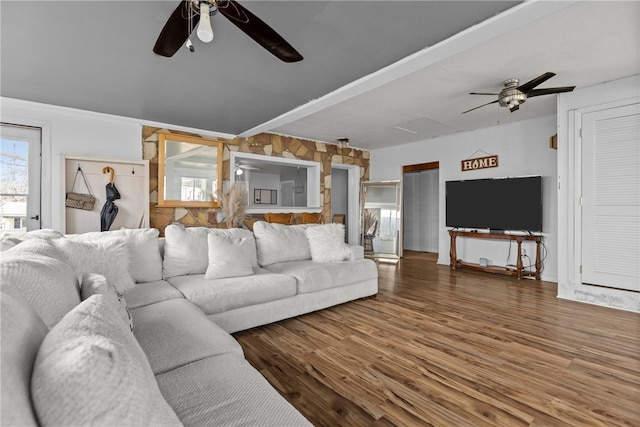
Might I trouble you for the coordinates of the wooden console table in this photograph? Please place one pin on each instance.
(518, 272)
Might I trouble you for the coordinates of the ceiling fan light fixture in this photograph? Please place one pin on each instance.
(205, 31)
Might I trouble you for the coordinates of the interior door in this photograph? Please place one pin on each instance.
(611, 197)
(20, 157)
(411, 192)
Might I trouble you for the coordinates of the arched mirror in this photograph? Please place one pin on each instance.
(189, 171)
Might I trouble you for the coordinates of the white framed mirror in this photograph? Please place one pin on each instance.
(381, 229)
(189, 171)
(277, 184)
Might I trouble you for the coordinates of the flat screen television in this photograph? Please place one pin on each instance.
(500, 204)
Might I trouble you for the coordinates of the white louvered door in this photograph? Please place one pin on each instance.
(611, 197)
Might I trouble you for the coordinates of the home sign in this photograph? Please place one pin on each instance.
(479, 163)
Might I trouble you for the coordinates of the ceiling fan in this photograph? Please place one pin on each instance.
(512, 95)
(190, 13)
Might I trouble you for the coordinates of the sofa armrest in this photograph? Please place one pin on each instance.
(356, 252)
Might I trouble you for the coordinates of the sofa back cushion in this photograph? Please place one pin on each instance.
(186, 248)
(22, 334)
(90, 370)
(49, 285)
(143, 245)
(11, 239)
(281, 243)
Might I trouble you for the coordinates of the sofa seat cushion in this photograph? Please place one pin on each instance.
(215, 296)
(174, 333)
(150, 293)
(226, 391)
(316, 276)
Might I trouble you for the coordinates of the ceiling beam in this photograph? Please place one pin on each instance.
(499, 25)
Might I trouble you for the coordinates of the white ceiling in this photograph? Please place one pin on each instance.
(366, 70)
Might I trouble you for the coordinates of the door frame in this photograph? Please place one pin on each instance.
(353, 203)
(32, 136)
(418, 167)
(574, 187)
(46, 187)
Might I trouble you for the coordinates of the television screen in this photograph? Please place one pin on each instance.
(513, 204)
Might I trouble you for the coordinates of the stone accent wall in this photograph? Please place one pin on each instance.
(264, 143)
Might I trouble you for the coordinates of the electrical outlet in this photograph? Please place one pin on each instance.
(524, 252)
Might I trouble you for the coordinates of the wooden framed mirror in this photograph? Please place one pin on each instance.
(189, 171)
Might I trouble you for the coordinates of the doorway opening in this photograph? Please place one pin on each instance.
(421, 195)
(345, 199)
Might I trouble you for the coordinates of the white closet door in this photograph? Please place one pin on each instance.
(429, 211)
(611, 198)
(411, 210)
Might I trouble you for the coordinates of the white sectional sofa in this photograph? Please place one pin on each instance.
(69, 356)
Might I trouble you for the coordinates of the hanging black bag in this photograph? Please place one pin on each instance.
(80, 200)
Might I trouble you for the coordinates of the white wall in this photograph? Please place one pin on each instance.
(570, 105)
(75, 132)
(522, 149)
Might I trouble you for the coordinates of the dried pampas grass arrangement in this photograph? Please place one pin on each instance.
(234, 205)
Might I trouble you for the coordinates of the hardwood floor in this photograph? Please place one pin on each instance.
(455, 348)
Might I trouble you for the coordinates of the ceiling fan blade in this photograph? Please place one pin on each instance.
(259, 31)
(488, 103)
(483, 93)
(176, 30)
(526, 87)
(549, 91)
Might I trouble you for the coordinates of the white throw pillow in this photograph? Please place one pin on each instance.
(144, 248)
(90, 370)
(108, 257)
(96, 284)
(326, 243)
(186, 248)
(280, 243)
(227, 256)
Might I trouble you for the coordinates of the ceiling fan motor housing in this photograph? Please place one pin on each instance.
(510, 96)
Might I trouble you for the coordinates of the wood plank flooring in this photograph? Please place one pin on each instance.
(455, 348)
